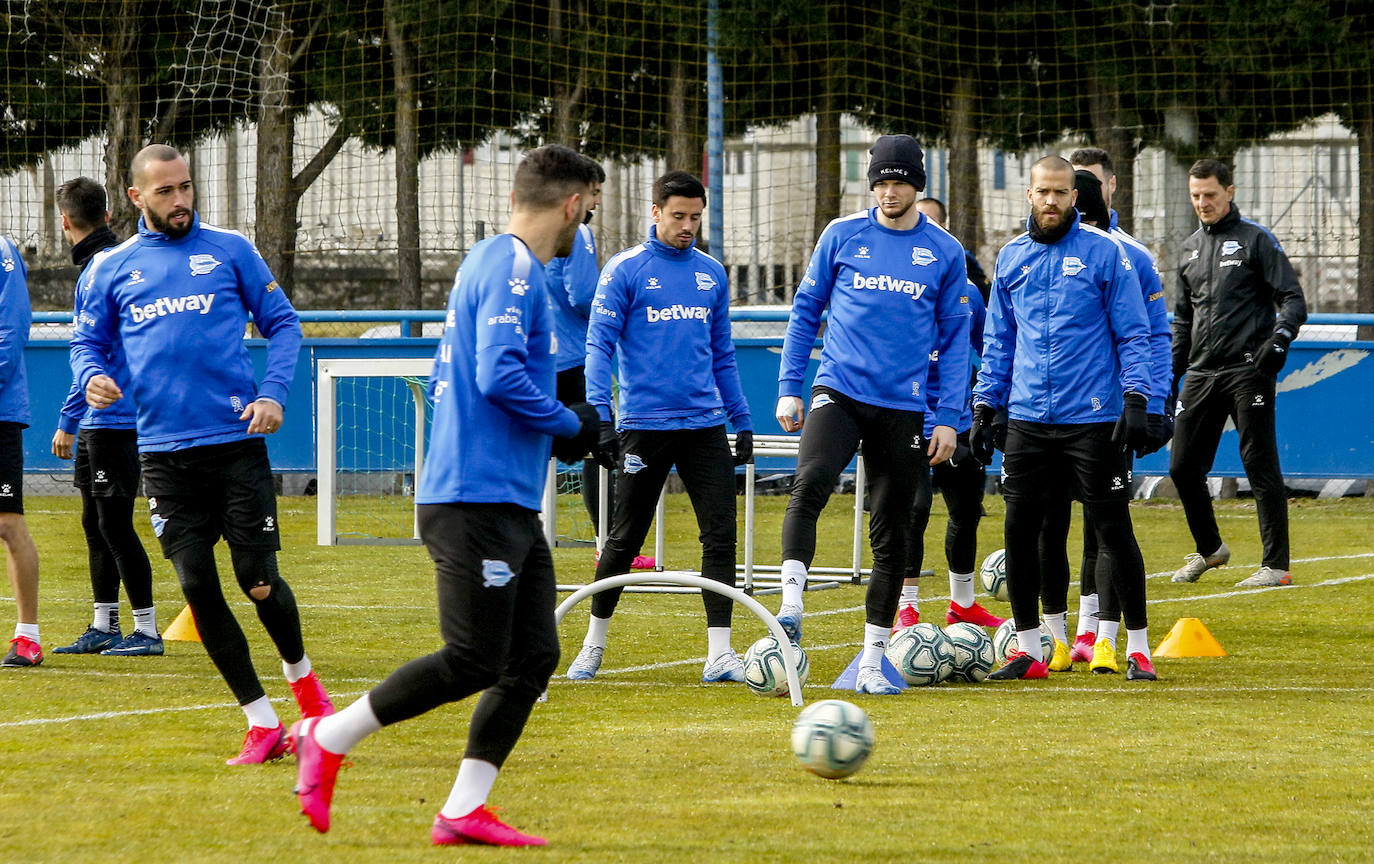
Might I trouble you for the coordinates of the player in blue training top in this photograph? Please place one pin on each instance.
(663, 307)
(106, 456)
(1094, 182)
(478, 508)
(960, 479)
(897, 289)
(1066, 353)
(175, 301)
(15, 319)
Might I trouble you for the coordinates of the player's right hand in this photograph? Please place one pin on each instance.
(789, 413)
(62, 444)
(102, 392)
(981, 435)
(607, 453)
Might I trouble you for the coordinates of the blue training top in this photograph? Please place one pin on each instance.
(572, 285)
(75, 412)
(16, 317)
(493, 383)
(1157, 310)
(178, 309)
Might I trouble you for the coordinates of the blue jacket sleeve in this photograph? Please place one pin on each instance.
(74, 406)
(603, 334)
(580, 276)
(95, 331)
(1129, 326)
(999, 347)
(502, 357)
(724, 364)
(16, 316)
(1157, 312)
(813, 295)
(275, 318)
(952, 323)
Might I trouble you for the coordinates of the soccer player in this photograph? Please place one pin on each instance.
(1094, 185)
(107, 471)
(478, 508)
(960, 479)
(15, 319)
(175, 300)
(1066, 352)
(1233, 276)
(663, 308)
(897, 289)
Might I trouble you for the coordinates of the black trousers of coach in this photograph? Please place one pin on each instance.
(1040, 461)
(707, 470)
(497, 595)
(894, 452)
(1206, 402)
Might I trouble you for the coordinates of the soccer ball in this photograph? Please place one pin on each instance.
(765, 671)
(1004, 641)
(922, 654)
(993, 575)
(973, 655)
(832, 738)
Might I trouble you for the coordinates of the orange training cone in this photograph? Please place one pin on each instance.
(1189, 638)
(183, 629)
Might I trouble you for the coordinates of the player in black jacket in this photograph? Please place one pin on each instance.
(1232, 278)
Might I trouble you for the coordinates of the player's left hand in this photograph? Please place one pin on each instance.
(943, 441)
(263, 415)
(744, 447)
(1132, 430)
(1274, 353)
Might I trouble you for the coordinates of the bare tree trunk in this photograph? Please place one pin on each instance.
(276, 199)
(52, 217)
(125, 126)
(1363, 111)
(567, 95)
(407, 156)
(965, 190)
(1104, 107)
(828, 155)
(685, 121)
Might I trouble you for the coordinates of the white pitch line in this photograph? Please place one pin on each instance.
(133, 712)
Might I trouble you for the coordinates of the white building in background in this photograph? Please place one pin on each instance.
(1301, 185)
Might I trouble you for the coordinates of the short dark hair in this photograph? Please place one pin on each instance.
(1052, 163)
(677, 183)
(1204, 168)
(551, 173)
(938, 205)
(1085, 156)
(83, 202)
(151, 153)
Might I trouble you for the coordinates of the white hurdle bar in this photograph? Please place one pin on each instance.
(704, 584)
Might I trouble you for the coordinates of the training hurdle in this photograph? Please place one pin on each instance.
(690, 580)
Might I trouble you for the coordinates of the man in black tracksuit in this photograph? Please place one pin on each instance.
(1232, 278)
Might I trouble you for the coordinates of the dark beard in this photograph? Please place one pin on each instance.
(1052, 235)
(155, 222)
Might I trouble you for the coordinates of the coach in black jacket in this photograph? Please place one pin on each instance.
(1226, 336)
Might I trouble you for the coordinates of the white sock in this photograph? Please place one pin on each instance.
(717, 641)
(961, 588)
(470, 790)
(875, 643)
(106, 617)
(1137, 642)
(296, 671)
(1059, 625)
(1029, 642)
(1108, 630)
(910, 594)
(29, 631)
(145, 621)
(341, 732)
(793, 582)
(596, 631)
(1087, 614)
(259, 713)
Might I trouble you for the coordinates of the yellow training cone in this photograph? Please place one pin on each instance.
(1189, 638)
(183, 629)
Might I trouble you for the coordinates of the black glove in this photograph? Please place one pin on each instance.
(1154, 425)
(1132, 430)
(574, 448)
(1273, 353)
(962, 451)
(744, 447)
(607, 451)
(981, 435)
(999, 430)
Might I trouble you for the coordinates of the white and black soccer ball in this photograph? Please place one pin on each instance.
(832, 738)
(922, 654)
(973, 654)
(765, 670)
(993, 575)
(1004, 641)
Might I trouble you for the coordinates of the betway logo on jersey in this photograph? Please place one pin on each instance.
(889, 283)
(677, 312)
(164, 306)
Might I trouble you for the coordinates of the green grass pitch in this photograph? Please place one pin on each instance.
(1264, 755)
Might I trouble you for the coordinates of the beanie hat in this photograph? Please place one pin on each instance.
(897, 157)
(1090, 202)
